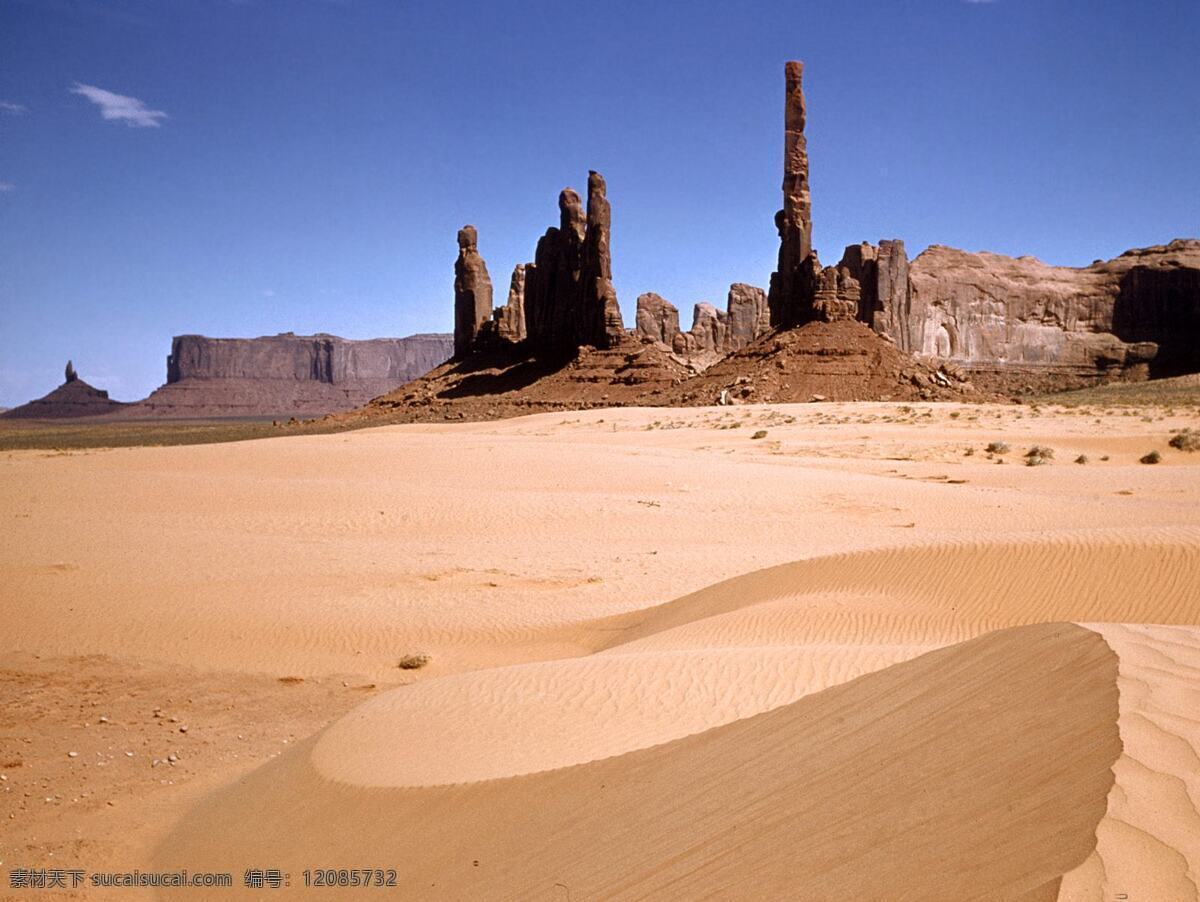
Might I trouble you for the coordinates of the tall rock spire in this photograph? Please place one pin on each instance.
(790, 291)
(602, 324)
(797, 202)
(472, 291)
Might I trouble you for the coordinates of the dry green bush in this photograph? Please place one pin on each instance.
(1186, 440)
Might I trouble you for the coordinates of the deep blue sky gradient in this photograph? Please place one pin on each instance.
(319, 155)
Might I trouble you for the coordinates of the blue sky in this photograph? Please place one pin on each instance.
(304, 165)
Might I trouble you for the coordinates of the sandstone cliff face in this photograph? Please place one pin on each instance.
(305, 358)
(1136, 315)
(285, 375)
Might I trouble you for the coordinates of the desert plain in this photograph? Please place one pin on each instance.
(825, 651)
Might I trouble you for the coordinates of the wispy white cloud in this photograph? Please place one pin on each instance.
(6, 186)
(14, 109)
(120, 108)
(978, 2)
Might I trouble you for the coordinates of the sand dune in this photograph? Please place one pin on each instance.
(939, 777)
(939, 592)
(668, 661)
(752, 644)
(1148, 844)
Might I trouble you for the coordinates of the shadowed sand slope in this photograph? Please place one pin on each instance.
(975, 771)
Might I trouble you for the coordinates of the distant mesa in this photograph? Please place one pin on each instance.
(74, 398)
(286, 374)
(278, 375)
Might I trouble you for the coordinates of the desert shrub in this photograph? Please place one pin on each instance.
(1152, 458)
(1038, 455)
(1186, 440)
(1081, 459)
(414, 662)
(998, 448)
(762, 433)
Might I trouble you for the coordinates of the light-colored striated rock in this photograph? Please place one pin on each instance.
(988, 310)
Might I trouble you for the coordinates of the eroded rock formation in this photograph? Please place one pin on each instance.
(714, 333)
(792, 287)
(1015, 322)
(507, 325)
(657, 319)
(472, 292)
(564, 298)
(748, 314)
(602, 324)
(1004, 323)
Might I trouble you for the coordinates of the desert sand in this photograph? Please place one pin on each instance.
(855, 657)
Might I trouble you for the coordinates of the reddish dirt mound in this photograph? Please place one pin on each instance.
(505, 383)
(839, 361)
(842, 361)
(71, 399)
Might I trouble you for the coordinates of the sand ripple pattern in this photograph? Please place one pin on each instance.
(1148, 844)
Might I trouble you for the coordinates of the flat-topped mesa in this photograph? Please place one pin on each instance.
(472, 292)
(791, 293)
